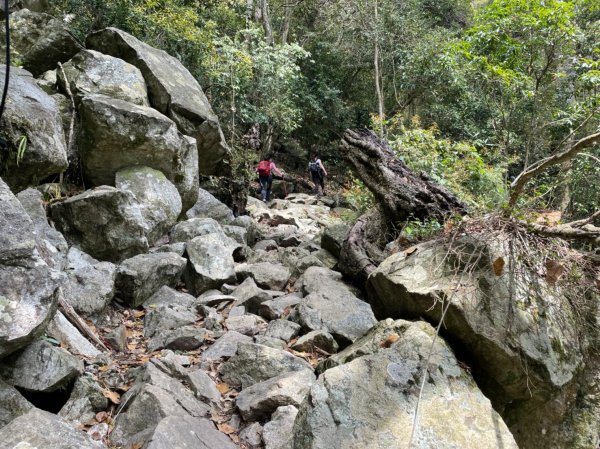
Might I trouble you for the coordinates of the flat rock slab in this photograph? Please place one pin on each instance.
(104, 222)
(316, 340)
(185, 231)
(173, 91)
(266, 275)
(282, 329)
(256, 363)
(277, 308)
(40, 367)
(225, 346)
(208, 206)
(63, 331)
(185, 432)
(260, 400)
(40, 429)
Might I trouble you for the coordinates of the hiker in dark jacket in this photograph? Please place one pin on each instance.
(318, 173)
(265, 170)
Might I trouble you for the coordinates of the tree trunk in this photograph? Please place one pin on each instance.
(400, 193)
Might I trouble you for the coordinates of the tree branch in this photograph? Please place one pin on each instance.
(536, 168)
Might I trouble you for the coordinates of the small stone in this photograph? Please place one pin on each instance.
(245, 324)
(278, 432)
(282, 329)
(252, 435)
(316, 339)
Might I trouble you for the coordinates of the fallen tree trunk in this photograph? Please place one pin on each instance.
(400, 194)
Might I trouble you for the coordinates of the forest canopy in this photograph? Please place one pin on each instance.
(473, 93)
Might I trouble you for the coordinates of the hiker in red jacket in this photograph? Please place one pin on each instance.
(265, 170)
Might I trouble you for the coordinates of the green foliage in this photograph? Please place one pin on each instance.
(415, 230)
(361, 198)
(457, 165)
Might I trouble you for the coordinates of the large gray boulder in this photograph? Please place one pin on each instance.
(32, 115)
(104, 222)
(183, 432)
(266, 275)
(90, 287)
(173, 91)
(210, 263)
(53, 244)
(333, 238)
(278, 433)
(332, 306)
(116, 134)
(371, 402)
(40, 40)
(40, 429)
(256, 363)
(141, 276)
(40, 367)
(91, 72)
(208, 206)
(159, 200)
(29, 289)
(185, 231)
(506, 323)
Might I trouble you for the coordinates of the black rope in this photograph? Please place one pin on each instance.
(7, 74)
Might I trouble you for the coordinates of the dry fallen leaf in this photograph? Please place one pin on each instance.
(411, 250)
(498, 266)
(113, 396)
(554, 270)
(226, 428)
(223, 388)
(138, 313)
(389, 341)
(101, 416)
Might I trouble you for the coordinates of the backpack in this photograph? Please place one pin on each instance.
(264, 168)
(314, 166)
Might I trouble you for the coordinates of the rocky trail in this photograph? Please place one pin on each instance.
(138, 312)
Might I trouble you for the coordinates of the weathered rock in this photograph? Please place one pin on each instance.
(252, 435)
(254, 234)
(204, 387)
(250, 296)
(271, 342)
(117, 338)
(28, 287)
(266, 275)
(186, 338)
(194, 227)
(282, 329)
(85, 401)
(333, 238)
(54, 246)
(104, 222)
(40, 40)
(40, 429)
(182, 432)
(225, 346)
(277, 308)
(247, 324)
(13, 404)
(90, 288)
(255, 363)
(116, 134)
(32, 5)
(173, 91)
(141, 276)
(332, 306)
(504, 322)
(177, 248)
(316, 339)
(91, 72)
(77, 259)
(207, 206)
(237, 233)
(63, 331)
(213, 298)
(261, 399)
(154, 396)
(159, 200)
(32, 113)
(210, 263)
(277, 433)
(370, 402)
(266, 245)
(213, 320)
(40, 367)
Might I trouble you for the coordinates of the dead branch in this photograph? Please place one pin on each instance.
(517, 186)
(78, 322)
(577, 230)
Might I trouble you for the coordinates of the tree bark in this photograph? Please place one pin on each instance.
(400, 193)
